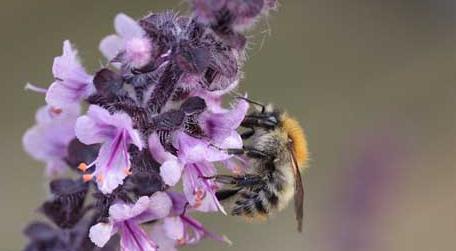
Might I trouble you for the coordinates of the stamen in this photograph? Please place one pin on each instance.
(34, 88)
(100, 178)
(237, 169)
(87, 177)
(181, 241)
(127, 171)
(83, 167)
(199, 196)
(56, 111)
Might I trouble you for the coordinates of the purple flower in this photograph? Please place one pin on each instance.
(47, 141)
(131, 41)
(125, 219)
(72, 83)
(179, 229)
(221, 124)
(115, 132)
(171, 73)
(195, 155)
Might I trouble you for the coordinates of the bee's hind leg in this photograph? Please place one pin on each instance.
(247, 180)
(249, 151)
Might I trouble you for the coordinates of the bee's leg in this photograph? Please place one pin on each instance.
(165, 140)
(248, 180)
(249, 151)
(263, 121)
(248, 134)
(226, 193)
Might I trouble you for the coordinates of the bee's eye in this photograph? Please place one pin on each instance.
(273, 120)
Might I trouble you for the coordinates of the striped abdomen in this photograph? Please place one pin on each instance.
(274, 195)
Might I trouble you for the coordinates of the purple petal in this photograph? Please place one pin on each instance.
(112, 164)
(72, 81)
(133, 238)
(174, 227)
(100, 233)
(48, 140)
(111, 45)
(157, 150)
(171, 171)
(127, 27)
(221, 125)
(196, 231)
(56, 168)
(99, 126)
(160, 205)
(163, 241)
(179, 203)
(193, 150)
(200, 192)
(122, 211)
(138, 52)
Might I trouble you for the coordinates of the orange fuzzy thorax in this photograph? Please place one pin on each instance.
(296, 134)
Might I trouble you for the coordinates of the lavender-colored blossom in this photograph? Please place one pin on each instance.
(115, 132)
(179, 228)
(130, 41)
(193, 166)
(154, 119)
(48, 140)
(125, 219)
(229, 17)
(72, 82)
(195, 155)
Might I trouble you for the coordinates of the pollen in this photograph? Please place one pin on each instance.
(56, 111)
(87, 177)
(199, 196)
(127, 171)
(83, 167)
(295, 132)
(181, 242)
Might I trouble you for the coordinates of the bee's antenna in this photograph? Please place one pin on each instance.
(239, 96)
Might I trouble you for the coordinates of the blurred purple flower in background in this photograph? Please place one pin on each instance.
(154, 116)
(371, 179)
(48, 140)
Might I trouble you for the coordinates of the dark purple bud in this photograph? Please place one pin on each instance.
(194, 105)
(165, 88)
(234, 39)
(191, 59)
(205, 10)
(80, 153)
(245, 8)
(104, 201)
(108, 83)
(271, 4)
(40, 232)
(66, 208)
(145, 183)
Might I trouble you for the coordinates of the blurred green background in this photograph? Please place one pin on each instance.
(373, 82)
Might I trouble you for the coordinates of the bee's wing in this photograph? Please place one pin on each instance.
(299, 192)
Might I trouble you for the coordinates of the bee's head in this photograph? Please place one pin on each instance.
(264, 116)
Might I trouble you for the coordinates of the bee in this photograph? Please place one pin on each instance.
(276, 147)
